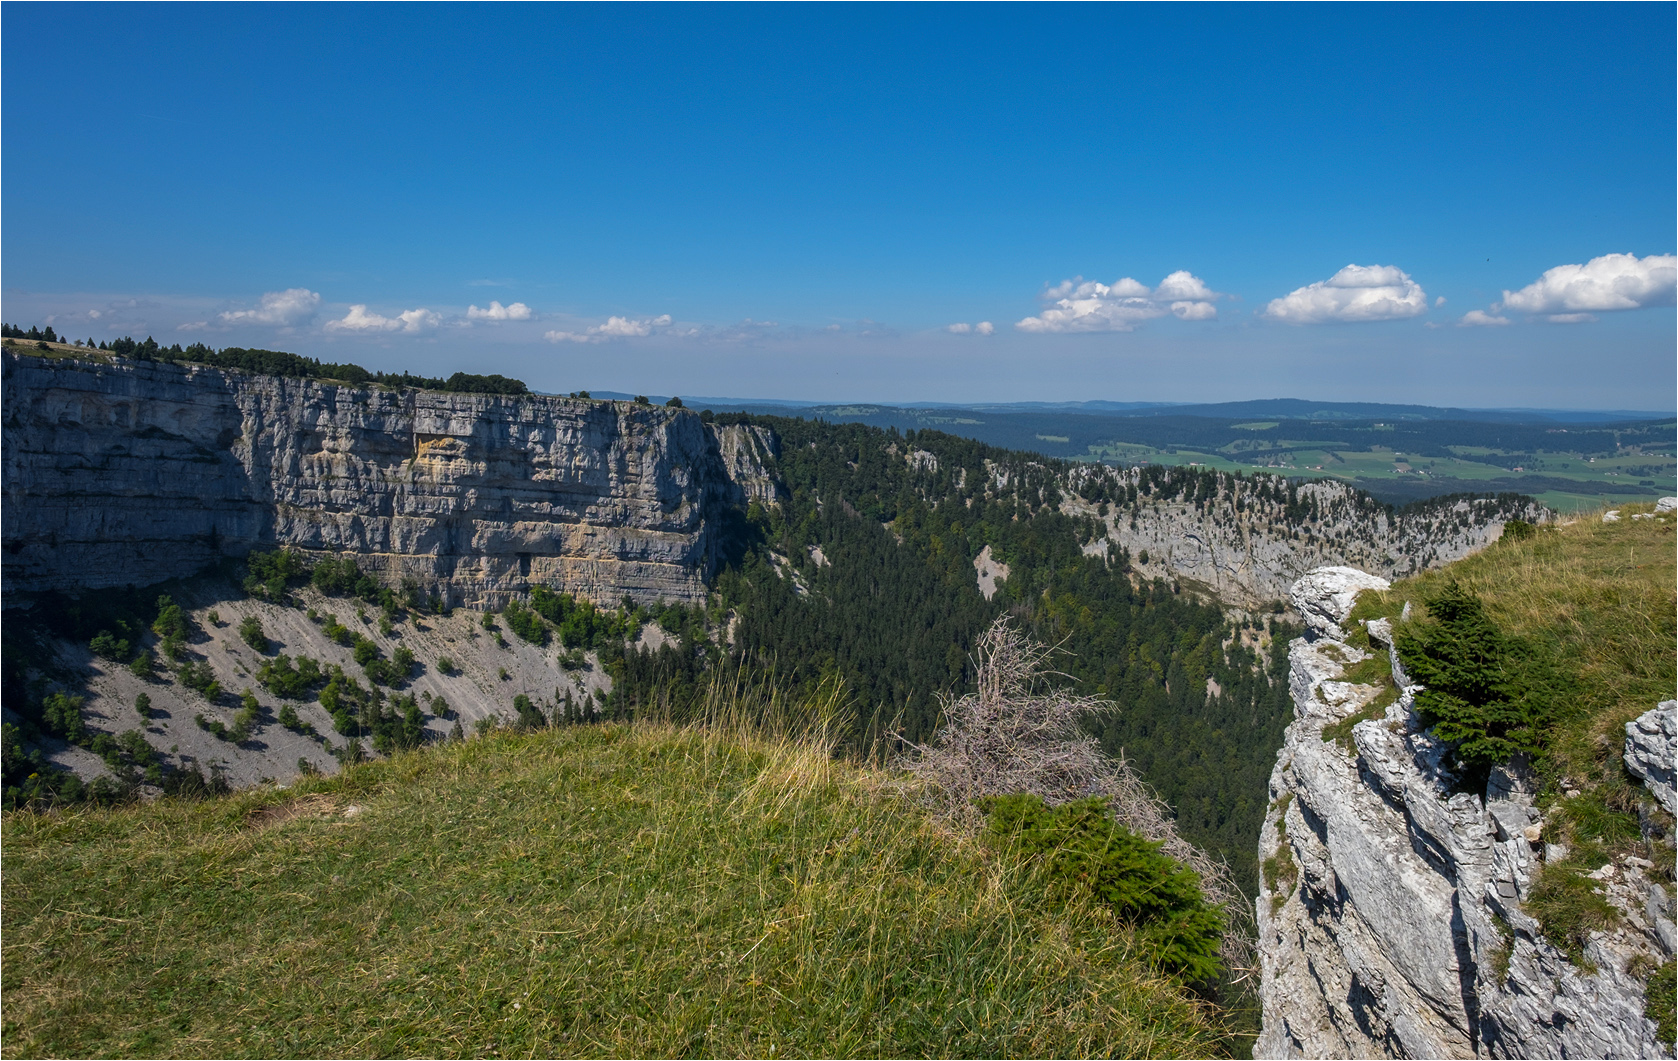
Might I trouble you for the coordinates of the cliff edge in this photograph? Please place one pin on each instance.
(1391, 920)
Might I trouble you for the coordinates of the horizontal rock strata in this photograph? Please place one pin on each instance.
(121, 473)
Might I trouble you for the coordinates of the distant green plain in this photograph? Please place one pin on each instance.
(1306, 459)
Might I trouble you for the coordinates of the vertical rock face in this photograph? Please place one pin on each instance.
(1241, 544)
(1390, 920)
(127, 472)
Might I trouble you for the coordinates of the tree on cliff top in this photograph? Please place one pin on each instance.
(1492, 693)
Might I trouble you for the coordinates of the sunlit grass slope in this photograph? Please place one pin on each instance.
(1600, 598)
(611, 890)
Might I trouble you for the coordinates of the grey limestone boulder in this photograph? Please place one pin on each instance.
(1325, 596)
(1651, 747)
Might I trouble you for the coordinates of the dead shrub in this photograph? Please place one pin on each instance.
(1016, 733)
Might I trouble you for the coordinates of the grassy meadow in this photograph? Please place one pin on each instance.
(617, 890)
(1600, 598)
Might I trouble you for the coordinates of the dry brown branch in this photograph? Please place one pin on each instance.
(1015, 733)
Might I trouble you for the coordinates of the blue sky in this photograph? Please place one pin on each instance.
(799, 202)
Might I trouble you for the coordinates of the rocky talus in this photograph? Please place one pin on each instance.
(119, 472)
(1391, 920)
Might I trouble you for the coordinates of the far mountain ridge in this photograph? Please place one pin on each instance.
(1289, 408)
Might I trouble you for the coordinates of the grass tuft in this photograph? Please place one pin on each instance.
(1659, 1004)
(1281, 873)
(1570, 906)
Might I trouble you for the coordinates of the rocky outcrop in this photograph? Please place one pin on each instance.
(1325, 597)
(1651, 747)
(1390, 916)
(119, 472)
(1243, 546)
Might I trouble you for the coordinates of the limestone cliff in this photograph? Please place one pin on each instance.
(1391, 920)
(1240, 544)
(119, 472)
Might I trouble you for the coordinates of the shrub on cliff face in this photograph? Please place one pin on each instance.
(290, 682)
(171, 622)
(199, 677)
(337, 631)
(63, 715)
(1492, 693)
(393, 671)
(108, 646)
(337, 578)
(250, 630)
(396, 726)
(581, 623)
(245, 719)
(529, 716)
(365, 650)
(270, 573)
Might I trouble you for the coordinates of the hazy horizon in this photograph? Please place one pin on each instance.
(1465, 206)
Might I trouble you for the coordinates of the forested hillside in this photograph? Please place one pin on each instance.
(1398, 453)
(866, 573)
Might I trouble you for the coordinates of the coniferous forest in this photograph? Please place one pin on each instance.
(865, 572)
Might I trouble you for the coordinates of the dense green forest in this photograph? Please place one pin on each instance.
(865, 572)
(1484, 453)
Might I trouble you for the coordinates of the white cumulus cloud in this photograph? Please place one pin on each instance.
(1569, 293)
(1080, 305)
(518, 311)
(359, 320)
(1354, 294)
(1183, 286)
(984, 328)
(1475, 318)
(283, 308)
(959, 329)
(614, 328)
